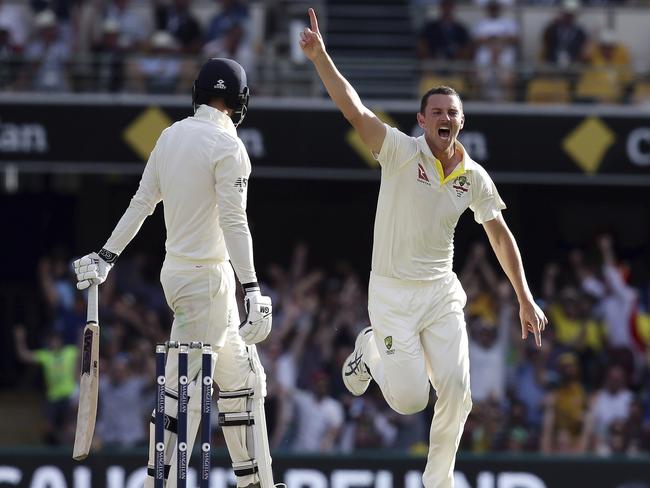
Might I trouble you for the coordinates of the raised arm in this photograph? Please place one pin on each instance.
(503, 243)
(371, 130)
(20, 341)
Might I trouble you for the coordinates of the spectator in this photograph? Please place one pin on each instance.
(67, 307)
(570, 313)
(59, 363)
(109, 59)
(319, 417)
(178, 20)
(575, 326)
(530, 380)
(615, 303)
(637, 428)
(369, 427)
(232, 13)
(564, 41)
(121, 389)
(445, 37)
(612, 56)
(488, 345)
(7, 57)
(517, 434)
(564, 411)
(161, 70)
(227, 34)
(64, 10)
(14, 19)
(496, 38)
(611, 403)
(46, 57)
(135, 27)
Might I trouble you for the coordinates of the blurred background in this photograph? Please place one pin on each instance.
(557, 102)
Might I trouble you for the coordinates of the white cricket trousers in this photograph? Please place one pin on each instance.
(420, 338)
(202, 296)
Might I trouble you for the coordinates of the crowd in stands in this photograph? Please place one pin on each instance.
(587, 390)
(572, 65)
(116, 45)
(156, 46)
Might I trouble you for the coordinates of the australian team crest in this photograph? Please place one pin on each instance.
(461, 185)
(388, 342)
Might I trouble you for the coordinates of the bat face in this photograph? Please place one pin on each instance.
(88, 391)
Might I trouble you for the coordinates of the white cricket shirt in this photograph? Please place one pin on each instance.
(199, 168)
(418, 208)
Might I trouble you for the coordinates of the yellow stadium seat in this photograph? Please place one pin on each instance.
(599, 85)
(641, 92)
(428, 81)
(548, 90)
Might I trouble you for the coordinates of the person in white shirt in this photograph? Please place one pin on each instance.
(319, 416)
(609, 404)
(496, 37)
(415, 301)
(199, 168)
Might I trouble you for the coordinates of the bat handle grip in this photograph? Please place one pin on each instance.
(93, 299)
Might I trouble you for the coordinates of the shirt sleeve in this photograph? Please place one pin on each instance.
(231, 174)
(40, 355)
(486, 202)
(142, 205)
(396, 150)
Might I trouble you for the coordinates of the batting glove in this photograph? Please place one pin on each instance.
(259, 314)
(93, 268)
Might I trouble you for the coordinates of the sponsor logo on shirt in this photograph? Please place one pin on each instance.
(240, 184)
(461, 185)
(422, 175)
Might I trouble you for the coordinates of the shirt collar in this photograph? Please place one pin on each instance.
(466, 163)
(217, 116)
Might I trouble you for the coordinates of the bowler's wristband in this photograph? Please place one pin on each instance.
(108, 256)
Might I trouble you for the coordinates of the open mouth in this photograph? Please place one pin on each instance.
(444, 132)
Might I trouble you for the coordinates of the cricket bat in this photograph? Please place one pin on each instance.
(89, 382)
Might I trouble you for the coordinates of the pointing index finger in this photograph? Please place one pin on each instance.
(313, 19)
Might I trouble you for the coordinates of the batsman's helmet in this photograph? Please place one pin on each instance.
(226, 79)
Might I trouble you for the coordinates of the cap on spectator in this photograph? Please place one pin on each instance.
(607, 36)
(163, 40)
(45, 19)
(110, 26)
(570, 5)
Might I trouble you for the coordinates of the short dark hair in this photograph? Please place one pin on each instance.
(439, 90)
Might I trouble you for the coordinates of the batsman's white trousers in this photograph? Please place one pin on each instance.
(420, 337)
(202, 297)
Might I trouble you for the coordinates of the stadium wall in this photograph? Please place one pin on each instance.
(41, 468)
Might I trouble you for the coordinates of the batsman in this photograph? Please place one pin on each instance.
(199, 168)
